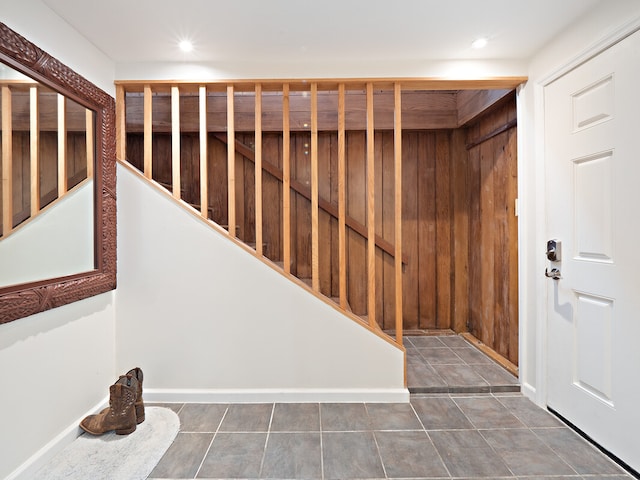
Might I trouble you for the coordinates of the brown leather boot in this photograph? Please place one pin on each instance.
(137, 374)
(121, 414)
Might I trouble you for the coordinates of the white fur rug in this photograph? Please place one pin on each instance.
(116, 457)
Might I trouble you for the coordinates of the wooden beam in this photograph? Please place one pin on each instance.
(494, 133)
(471, 103)
(7, 163)
(258, 168)
(342, 193)
(62, 145)
(231, 162)
(148, 132)
(397, 191)
(34, 141)
(175, 141)
(91, 141)
(410, 83)
(286, 181)
(204, 155)
(371, 221)
(121, 123)
(315, 260)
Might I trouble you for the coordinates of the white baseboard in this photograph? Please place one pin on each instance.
(266, 395)
(530, 392)
(28, 469)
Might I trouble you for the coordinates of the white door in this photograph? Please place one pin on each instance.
(592, 168)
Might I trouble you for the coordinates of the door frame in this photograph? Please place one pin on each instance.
(533, 216)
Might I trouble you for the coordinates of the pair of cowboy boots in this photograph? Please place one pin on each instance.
(125, 410)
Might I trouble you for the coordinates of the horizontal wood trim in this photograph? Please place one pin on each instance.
(408, 83)
(503, 128)
(472, 103)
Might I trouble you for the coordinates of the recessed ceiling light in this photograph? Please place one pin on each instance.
(185, 46)
(480, 43)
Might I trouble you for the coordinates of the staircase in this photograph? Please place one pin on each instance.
(300, 192)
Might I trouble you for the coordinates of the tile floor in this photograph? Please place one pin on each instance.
(450, 364)
(474, 430)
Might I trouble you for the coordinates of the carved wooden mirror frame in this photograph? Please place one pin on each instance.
(22, 300)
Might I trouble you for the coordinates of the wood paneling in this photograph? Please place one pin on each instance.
(458, 230)
(493, 275)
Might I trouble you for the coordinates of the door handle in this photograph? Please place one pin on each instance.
(554, 273)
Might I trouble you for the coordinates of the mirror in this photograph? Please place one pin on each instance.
(46, 225)
(58, 131)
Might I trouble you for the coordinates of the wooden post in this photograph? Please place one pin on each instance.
(121, 123)
(148, 132)
(34, 140)
(371, 225)
(315, 261)
(397, 189)
(62, 145)
(175, 141)
(204, 156)
(7, 166)
(286, 181)
(342, 243)
(231, 161)
(258, 167)
(90, 132)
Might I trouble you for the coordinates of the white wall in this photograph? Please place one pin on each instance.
(56, 366)
(207, 321)
(57, 242)
(586, 37)
(39, 24)
(455, 69)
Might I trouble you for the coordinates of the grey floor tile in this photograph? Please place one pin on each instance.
(440, 356)
(413, 356)
(426, 342)
(296, 417)
(454, 341)
(393, 416)
(459, 375)
(350, 455)
(495, 374)
(201, 417)
(466, 454)
(574, 450)
(183, 458)
(472, 356)
(234, 455)
(344, 417)
(487, 412)
(525, 454)
(423, 375)
(409, 455)
(438, 413)
(247, 418)
(293, 455)
(529, 413)
(607, 477)
(171, 406)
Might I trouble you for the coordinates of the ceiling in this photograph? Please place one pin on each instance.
(135, 31)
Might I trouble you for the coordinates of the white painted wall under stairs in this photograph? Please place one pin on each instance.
(207, 321)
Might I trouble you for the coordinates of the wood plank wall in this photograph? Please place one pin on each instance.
(457, 208)
(493, 233)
